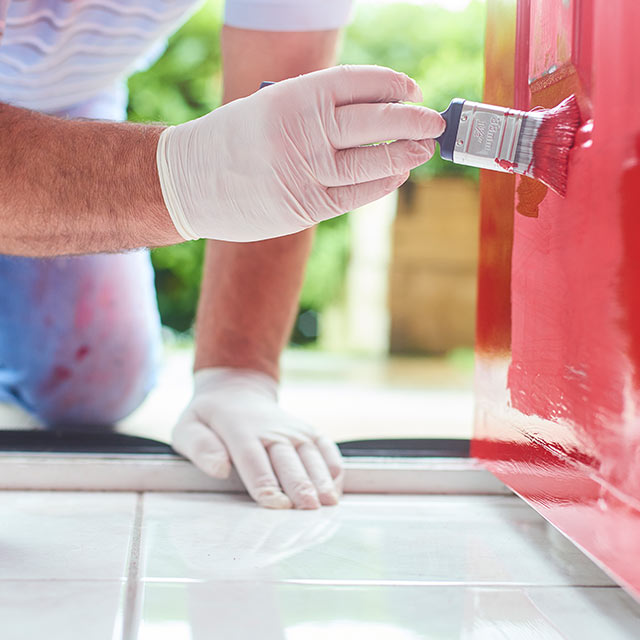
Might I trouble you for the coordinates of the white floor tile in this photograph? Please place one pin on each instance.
(278, 611)
(58, 610)
(589, 613)
(366, 540)
(64, 536)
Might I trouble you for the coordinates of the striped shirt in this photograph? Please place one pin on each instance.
(72, 57)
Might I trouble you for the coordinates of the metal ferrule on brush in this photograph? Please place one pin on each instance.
(490, 137)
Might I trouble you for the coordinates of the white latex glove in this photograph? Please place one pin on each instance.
(290, 155)
(234, 416)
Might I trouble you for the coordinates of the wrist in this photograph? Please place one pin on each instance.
(221, 344)
(233, 379)
(160, 217)
(169, 187)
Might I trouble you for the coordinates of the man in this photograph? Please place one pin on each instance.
(79, 336)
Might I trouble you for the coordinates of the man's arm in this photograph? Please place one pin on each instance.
(247, 307)
(70, 187)
(250, 291)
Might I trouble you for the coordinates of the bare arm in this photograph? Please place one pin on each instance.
(247, 307)
(250, 291)
(78, 186)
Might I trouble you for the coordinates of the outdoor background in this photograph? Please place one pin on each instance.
(441, 49)
(383, 344)
(384, 337)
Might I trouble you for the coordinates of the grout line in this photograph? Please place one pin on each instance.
(440, 583)
(436, 583)
(312, 582)
(65, 580)
(133, 599)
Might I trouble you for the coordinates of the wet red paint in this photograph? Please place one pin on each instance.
(506, 165)
(583, 135)
(630, 269)
(558, 415)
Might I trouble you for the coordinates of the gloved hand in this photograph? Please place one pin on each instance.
(234, 416)
(290, 155)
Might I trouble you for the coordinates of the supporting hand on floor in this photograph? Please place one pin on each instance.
(291, 155)
(234, 417)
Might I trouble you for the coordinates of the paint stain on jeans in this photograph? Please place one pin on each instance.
(58, 375)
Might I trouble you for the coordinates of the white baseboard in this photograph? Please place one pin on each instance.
(146, 472)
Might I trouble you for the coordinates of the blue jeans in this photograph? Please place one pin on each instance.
(79, 336)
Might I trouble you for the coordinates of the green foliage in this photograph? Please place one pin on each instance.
(442, 50)
(178, 272)
(185, 83)
(327, 265)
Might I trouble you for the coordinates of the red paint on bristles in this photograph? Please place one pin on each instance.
(554, 140)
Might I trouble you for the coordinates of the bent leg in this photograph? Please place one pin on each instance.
(79, 336)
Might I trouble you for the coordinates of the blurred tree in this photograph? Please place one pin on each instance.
(442, 50)
(186, 81)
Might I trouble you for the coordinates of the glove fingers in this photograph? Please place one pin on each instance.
(292, 476)
(363, 83)
(365, 164)
(255, 470)
(317, 469)
(358, 124)
(196, 441)
(350, 197)
(333, 459)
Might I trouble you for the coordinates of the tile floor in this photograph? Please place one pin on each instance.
(201, 566)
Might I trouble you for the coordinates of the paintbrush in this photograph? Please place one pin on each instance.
(533, 143)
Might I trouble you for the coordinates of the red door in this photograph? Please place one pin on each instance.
(558, 374)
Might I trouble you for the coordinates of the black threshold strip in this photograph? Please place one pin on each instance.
(93, 442)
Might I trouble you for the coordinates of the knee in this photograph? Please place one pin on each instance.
(94, 387)
(79, 338)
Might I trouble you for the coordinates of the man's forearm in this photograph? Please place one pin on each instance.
(250, 291)
(72, 187)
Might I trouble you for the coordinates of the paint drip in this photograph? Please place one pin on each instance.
(530, 194)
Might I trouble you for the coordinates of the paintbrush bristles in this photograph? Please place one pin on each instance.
(524, 160)
(550, 144)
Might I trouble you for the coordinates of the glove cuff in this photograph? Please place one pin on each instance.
(170, 191)
(234, 378)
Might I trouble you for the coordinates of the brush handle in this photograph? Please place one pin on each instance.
(447, 140)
